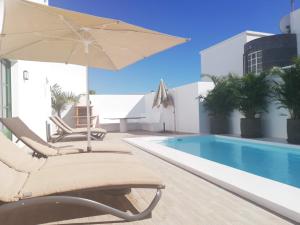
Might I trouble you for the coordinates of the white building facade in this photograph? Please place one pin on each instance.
(227, 56)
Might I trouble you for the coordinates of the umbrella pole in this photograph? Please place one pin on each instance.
(89, 147)
(174, 115)
(88, 120)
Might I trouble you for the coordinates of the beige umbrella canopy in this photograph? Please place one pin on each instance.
(36, 32)
(163, 98)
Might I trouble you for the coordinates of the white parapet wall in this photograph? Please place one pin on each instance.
(116, 106)
(187, 117)
(187, 106)
(187, 110)
(274, 121)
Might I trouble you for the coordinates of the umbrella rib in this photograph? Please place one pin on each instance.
(128, 30)
(70, 26)
(106, 54)
(32, 32)
(131, 30)
(61, 29)
(100, 48)
(88, 26)
(72, 52)
(47, 36)
(20, 48)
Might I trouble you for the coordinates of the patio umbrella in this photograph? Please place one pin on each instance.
(162, 97)
(36, 32)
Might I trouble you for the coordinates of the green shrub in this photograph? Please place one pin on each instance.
(220, 101)
(252, 92)
(287, 90)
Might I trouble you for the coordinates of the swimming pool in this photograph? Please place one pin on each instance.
(280, 163)
(263, 172)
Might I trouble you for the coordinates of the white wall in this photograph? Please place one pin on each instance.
(114, 106)
(153, 120)
(274, 122)
(295, 26)
(187, 106)
(234, 122)
(188, 118)
(31, 98)
(71, 78)
(187, 111)
(227, 56)
(224, 57)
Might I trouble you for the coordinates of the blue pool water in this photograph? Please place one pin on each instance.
(277, 162)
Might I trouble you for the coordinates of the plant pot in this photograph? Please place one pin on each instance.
(251, 128)
(219, 125)
(293, 131)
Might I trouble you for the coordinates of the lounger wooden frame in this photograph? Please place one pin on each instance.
(77, 201)
(67, 132)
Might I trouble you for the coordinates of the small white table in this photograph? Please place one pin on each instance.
(123, 121)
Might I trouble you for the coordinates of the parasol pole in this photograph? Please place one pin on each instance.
(89, 147)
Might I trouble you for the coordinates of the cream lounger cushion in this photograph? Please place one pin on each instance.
(93, 130)
(17, 158)
(85, 158)
(48, 151)
(19, 185)
(89, 176)
(11, 183)
(41, 148)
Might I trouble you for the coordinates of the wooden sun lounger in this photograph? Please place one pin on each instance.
(96, 133)
(78, 129)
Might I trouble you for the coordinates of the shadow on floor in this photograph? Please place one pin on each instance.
(54, 213)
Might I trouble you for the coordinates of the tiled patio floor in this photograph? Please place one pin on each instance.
(187, 200)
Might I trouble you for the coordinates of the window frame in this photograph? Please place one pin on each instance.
(5, 90)
(255, 62)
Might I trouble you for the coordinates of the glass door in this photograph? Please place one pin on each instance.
(5, 93)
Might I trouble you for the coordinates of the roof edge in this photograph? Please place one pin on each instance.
(247, 32)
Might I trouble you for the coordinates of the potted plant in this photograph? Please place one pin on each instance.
(219, 102)
(252, 92)
(60, 99)
(287, 94)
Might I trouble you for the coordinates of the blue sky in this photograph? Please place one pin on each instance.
(206, 22)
